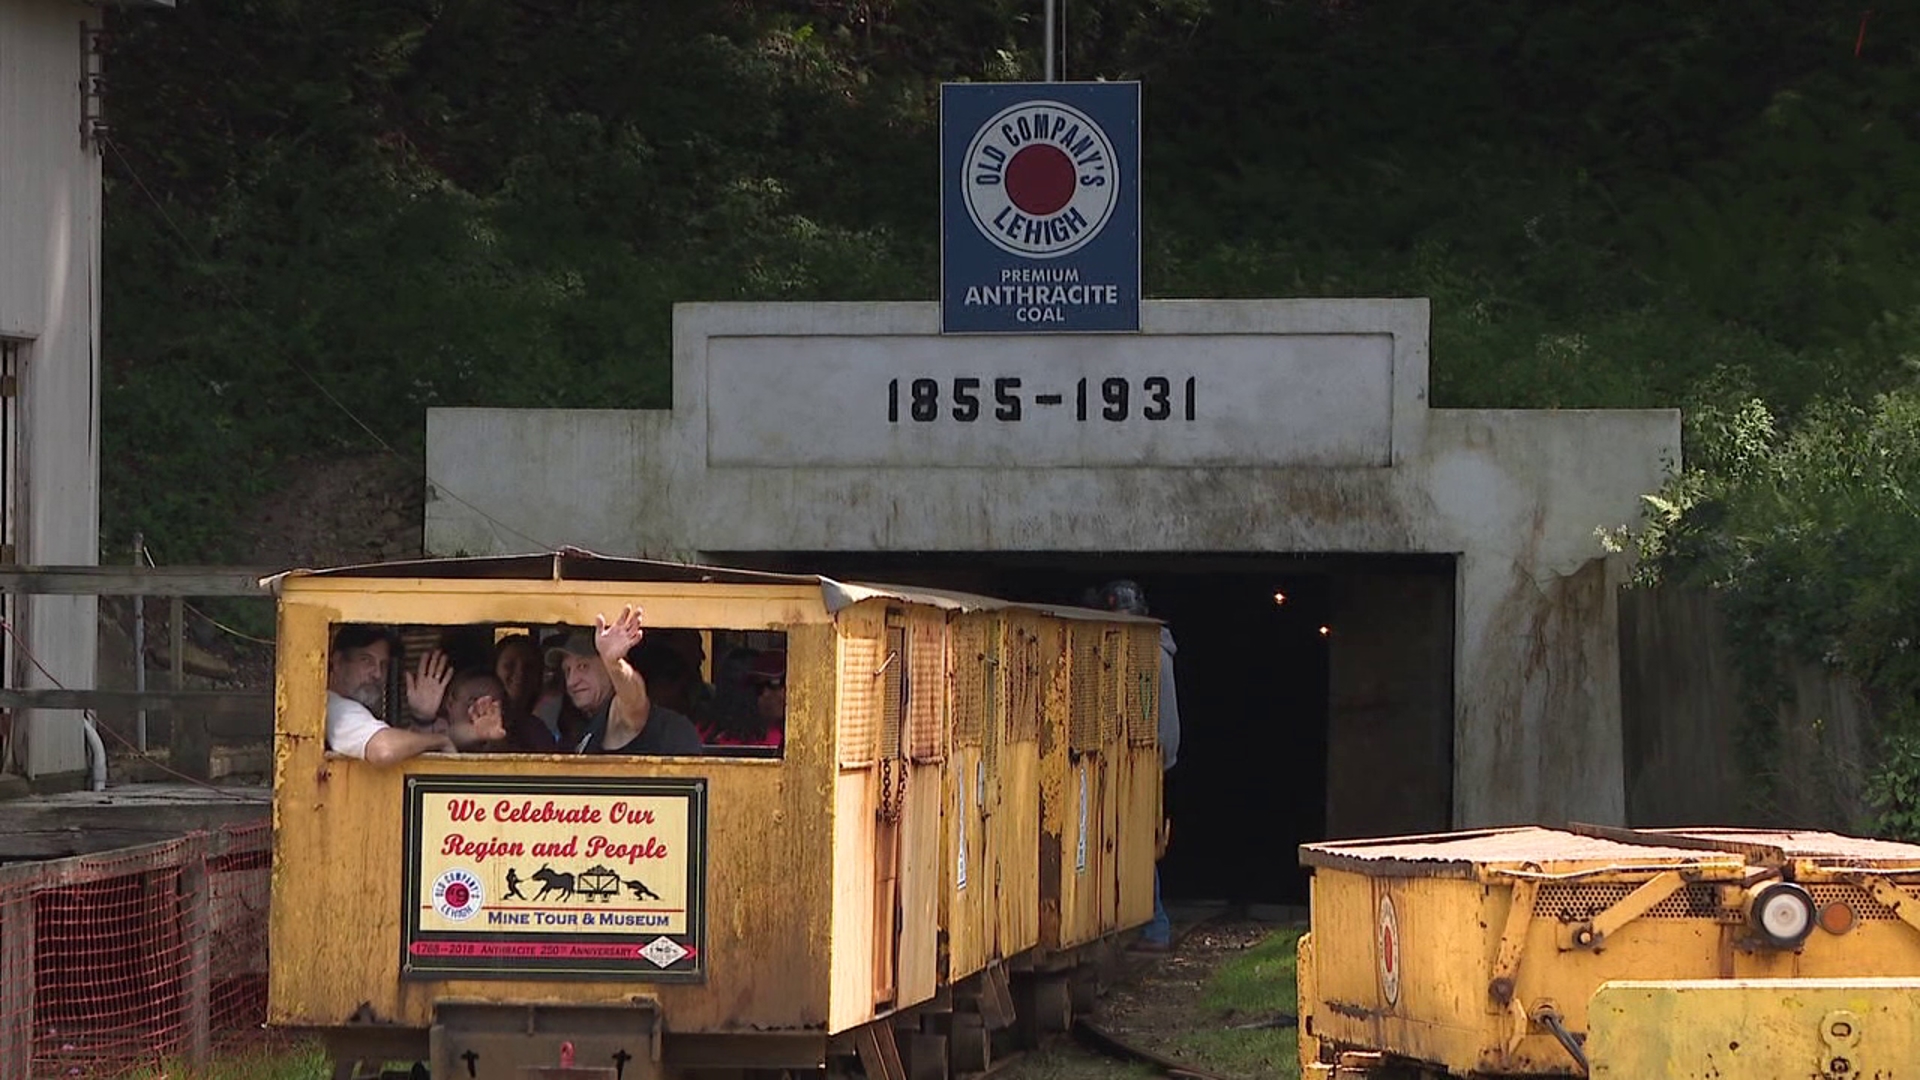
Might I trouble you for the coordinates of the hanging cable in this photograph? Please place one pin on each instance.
(94, 721)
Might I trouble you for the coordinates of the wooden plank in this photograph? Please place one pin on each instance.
(134, 581)
(210, 702)
(16, 984)
(879, 1053)
(42, 845)
(197, 980)
(87, 869)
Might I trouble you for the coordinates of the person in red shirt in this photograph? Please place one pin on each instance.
(763, 724)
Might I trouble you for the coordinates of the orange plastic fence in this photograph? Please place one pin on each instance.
(130, 958)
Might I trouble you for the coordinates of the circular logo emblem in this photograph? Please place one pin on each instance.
(1389, 950)
(1040, 179)
(456, 895)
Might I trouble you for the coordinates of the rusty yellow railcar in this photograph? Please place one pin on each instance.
(1612, 952)
(870, 890)
(1100, 783)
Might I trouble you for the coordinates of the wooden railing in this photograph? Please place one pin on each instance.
(198, 716)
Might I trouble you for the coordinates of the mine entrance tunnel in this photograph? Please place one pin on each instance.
(1315, 692)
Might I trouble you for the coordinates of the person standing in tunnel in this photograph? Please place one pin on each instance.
(1126, 596)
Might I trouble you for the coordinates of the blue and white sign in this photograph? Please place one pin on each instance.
(1039, 207)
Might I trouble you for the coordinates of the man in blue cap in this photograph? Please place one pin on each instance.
(1127, 596)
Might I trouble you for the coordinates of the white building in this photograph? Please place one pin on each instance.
(50, 348)
(1472, 675)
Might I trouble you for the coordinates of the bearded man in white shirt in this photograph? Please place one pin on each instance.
(357, 685)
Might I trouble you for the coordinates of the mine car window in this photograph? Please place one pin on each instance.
(730, 685)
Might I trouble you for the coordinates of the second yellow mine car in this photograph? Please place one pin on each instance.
(1612, 952)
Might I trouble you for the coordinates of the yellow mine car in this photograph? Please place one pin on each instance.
(961, 813)
(1620, 953)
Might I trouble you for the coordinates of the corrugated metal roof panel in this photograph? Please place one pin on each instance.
(577, 564)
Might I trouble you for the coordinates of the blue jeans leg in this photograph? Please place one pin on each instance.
(1159, 929)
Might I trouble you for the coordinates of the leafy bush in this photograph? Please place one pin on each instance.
(1807, 531)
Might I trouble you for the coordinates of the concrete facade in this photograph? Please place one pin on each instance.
(779, 439)
(50, 318)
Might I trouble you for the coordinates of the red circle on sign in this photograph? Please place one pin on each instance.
(1040, 180)
(457, 895)
(1386, 950)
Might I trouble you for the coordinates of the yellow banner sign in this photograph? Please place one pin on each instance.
(589, 876)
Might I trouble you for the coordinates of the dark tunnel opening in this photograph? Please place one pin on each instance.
(1315, 692)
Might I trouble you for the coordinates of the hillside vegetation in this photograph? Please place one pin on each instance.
(325, 217)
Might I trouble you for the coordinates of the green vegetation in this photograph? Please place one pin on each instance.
(1807, 529)
(304, 1062)
(1252, 987)
(328, 215)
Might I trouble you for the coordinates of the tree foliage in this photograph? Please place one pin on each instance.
(325, 217)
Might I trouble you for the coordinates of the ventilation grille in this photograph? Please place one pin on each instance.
(1142, 681)
(1579, 903)
(927, 691)
(859, 698)
(1865, 907)
(1088, 690)
(972, 681)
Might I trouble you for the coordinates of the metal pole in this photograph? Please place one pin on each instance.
(140, 647)
(1049, 40)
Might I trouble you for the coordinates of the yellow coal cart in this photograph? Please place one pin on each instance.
(1612, 953)
(873, 889)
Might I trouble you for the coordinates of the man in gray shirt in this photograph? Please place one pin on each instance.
(603, 685)
(1123, 595)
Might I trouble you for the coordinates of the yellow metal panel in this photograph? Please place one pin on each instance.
(1140, 816)
(1444, 945)
(1033, 649)
(967, 893)
(1104, 851)
(1756, 1029)
(920, 885)
(1306, 998)
(855, 808)
(1071, 799)
(1016, 838)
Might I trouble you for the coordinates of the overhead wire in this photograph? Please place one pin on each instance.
(147, 553)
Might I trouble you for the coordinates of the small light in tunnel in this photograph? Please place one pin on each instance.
(1279, 598)
(1325, 630)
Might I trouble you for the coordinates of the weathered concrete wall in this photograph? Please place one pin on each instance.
(1684, 715)
(50, 301)
(1516, 495)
